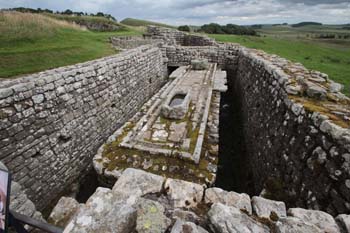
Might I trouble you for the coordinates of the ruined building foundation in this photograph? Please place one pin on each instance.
(125, 111)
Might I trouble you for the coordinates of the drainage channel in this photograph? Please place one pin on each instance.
(233, 167)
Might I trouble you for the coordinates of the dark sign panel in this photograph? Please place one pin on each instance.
(4, 199)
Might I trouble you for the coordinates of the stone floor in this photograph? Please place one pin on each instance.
(180, 148)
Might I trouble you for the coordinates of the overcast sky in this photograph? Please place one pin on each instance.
(197, 12)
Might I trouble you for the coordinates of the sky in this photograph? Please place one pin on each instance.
(198, 12)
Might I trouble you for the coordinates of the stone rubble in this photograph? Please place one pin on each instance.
(64, 211)
(150, 217)
(321, 219)
(184, 194)
(239, 200)
(265, 208)
(155, 208)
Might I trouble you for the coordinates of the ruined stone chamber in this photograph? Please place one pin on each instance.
(290, 135)
(294, 140)
(170, 135)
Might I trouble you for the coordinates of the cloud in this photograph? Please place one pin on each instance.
(205, 11)
(319, 2)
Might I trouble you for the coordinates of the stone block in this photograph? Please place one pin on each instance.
(217, 195)
(265, 208)
(184, 194)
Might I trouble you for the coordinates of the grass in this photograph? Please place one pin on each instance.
(329, 58)
(32, 42)
(309, 30)
(73, 18)
(143, 23)
(86, 20)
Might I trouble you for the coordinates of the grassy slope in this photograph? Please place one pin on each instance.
(143, 23)
(330, 59)
(83, 18)
(28, 44)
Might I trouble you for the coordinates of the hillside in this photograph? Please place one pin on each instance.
(34, 42)
(142, 23)
(94, 23)
(306, 24)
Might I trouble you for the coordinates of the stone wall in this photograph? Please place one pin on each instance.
(225, 55)
(132, 42)
(296, 146)
(169, 36)
(52, 123)
(196, 40)
(174, 37)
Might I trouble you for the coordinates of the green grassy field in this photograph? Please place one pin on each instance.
(287, 30)
(329, 57)
(31, 43)
(142, 23)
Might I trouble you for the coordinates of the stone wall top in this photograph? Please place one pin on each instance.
(308, 90)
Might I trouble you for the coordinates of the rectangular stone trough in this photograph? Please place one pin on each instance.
(156, 134)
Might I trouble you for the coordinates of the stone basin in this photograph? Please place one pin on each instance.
(176, 105)
(177, 100)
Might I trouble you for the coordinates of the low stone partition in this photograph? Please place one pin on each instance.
(225, 55)
(197, 40)
(175, 37)
(53, 122)
(144, 202)
(131, 42)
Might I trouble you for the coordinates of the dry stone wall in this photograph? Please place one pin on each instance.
(174, 37)
(225, 55)
(132, 42)
(300, 154)
(52, 123)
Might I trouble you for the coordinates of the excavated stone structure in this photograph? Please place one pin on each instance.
(295, 124)
(169, 136)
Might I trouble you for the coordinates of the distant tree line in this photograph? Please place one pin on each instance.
(214, 28)
(184, 28)
(305, 24)
(66, 12)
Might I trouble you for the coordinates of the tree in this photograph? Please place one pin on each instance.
(184, 28)
(67, 12)
(212, 28)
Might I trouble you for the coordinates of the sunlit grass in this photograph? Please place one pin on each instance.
(32, 42)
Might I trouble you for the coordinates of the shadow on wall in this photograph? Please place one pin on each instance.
(233, 168)
(171, 69)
